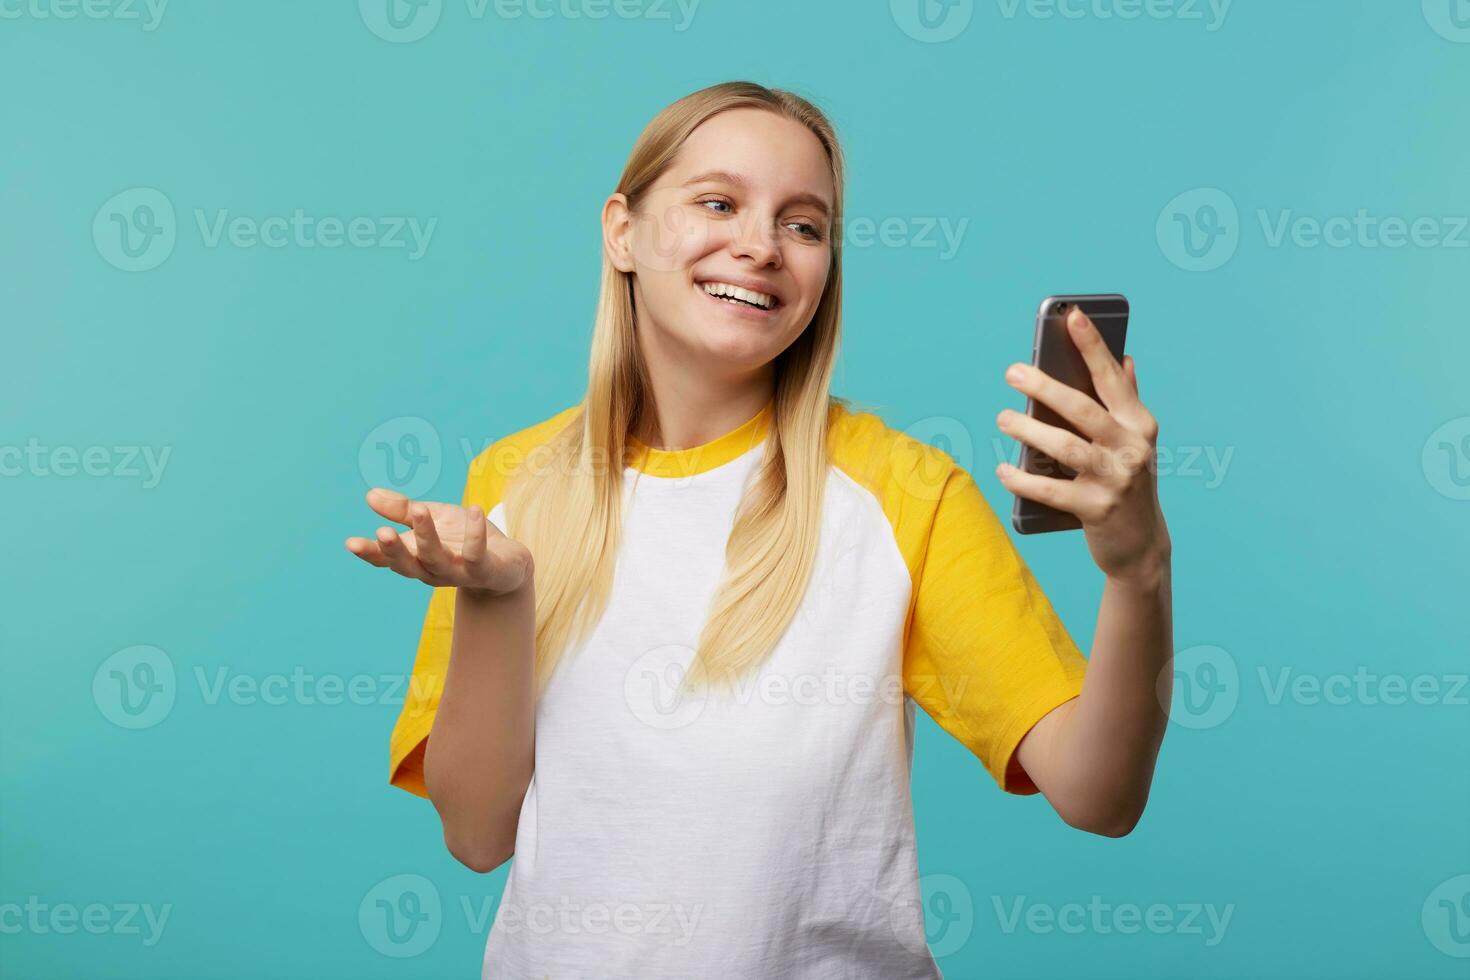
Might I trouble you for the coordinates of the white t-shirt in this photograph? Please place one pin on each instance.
(769, 834)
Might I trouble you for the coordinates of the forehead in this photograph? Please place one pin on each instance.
(772, 153)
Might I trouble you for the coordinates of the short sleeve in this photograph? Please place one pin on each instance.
(421, 698)
(986, 655)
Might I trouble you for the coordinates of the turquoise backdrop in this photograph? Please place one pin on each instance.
(245, 246)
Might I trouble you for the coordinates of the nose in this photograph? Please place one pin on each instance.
(757, 239)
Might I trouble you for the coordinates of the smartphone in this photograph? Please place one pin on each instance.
(1054, 353)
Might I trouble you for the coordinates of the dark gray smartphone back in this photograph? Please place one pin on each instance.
(1054, 353)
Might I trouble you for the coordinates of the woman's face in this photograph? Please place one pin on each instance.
(746, 204)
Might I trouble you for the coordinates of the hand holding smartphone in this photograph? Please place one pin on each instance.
(1054, 353)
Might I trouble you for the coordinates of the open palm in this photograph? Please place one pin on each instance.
(448, 545)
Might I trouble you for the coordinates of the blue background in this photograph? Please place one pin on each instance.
(1333, 542)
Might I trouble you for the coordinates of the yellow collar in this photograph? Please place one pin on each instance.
(699, 459)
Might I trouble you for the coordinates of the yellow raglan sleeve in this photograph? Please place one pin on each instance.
(986, 655)
(484, 486)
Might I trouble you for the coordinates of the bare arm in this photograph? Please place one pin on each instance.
(479, 759)
(479, 756)
(1093, 757)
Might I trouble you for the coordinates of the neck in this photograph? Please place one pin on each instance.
(688, 412)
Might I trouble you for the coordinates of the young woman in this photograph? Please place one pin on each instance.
(679, 628)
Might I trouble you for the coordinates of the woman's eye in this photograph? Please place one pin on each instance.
(722, 203)
(806, 230)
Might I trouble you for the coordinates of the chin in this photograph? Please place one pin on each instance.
(742, 352)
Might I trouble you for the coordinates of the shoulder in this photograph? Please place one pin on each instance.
(503, 458)
(898, 468)
(928, 498)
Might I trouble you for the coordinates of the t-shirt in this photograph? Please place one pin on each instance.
(767, 833)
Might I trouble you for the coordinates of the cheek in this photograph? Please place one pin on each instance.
(670, 240)
(811, 271)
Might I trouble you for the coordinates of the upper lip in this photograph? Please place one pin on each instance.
(745, 282)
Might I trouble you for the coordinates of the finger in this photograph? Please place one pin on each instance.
(1061, 445)
(1090, 418)
(1131, 369)
(368, 551)
(475, 533)
(428, 548)
(389, 504)
(1107, 374)
(1061, 494)
(398, 556)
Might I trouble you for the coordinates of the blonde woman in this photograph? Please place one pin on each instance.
(679, 629)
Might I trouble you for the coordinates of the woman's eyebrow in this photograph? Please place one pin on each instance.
(725, 177)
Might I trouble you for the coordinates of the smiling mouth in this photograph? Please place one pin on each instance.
(749, 299)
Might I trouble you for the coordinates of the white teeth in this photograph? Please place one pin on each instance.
(750, 296)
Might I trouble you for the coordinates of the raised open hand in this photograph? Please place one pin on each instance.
(448, 545)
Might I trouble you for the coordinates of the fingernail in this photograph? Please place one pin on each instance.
(1016, 373)
(1075, 318)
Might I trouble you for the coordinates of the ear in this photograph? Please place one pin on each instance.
(617, 229)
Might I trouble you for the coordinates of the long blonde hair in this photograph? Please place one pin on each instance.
(567, 507)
